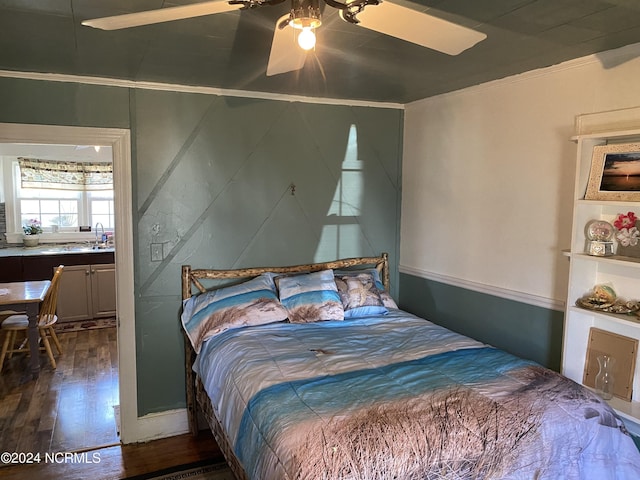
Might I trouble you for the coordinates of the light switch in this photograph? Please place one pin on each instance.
(156, 252)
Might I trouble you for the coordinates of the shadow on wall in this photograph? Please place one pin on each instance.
(229, 196)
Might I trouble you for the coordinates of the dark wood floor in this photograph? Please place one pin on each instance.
(66, 409)
(71, 409)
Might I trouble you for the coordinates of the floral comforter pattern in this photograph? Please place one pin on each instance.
(397, 397)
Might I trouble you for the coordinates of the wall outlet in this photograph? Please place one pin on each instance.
(156, 252)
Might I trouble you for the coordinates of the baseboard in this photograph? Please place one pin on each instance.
(158, 425)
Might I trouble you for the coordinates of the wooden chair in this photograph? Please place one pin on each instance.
(4, 314)
(46, 320)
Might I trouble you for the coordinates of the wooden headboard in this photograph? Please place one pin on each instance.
(192, 284)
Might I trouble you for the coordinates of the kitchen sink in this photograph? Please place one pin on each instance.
(75, 248)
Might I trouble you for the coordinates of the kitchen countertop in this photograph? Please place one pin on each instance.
(51, 249)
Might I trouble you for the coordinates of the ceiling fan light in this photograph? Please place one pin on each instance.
(305, 14)
(307, 39)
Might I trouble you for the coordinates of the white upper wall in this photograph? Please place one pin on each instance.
(488, 175)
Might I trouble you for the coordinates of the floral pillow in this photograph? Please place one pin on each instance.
(359, 294)
(386, 298)
(250, 303)
(310, 297)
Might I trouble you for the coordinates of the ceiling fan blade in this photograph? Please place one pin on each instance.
(419, 28)
(286, 55)
(169, 14)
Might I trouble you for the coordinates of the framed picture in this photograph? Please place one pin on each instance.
(615, 173)
(623, 350)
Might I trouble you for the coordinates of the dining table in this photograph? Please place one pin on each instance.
(26, 297)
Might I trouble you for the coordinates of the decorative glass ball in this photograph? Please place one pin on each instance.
(600, 231)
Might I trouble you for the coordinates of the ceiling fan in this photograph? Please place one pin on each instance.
(381, 16)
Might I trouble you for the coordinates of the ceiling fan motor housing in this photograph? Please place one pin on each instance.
(305, 14)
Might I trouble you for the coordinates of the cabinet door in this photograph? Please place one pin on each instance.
(40, 267)
(11, 269)
(74, 294)
(103, 290)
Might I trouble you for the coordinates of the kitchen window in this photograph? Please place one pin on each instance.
(60, 210)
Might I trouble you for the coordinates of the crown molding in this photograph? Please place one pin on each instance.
(114, 82)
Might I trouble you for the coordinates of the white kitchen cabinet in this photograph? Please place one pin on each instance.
(87, 292)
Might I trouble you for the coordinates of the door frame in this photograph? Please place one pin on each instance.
(120, 142)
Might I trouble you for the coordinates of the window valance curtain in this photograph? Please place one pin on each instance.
(35, 173)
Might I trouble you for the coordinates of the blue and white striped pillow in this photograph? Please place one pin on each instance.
(311, 297)
(250, 303)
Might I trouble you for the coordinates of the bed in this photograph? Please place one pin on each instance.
(312, 372)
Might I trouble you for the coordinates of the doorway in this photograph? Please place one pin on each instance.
(119, 141)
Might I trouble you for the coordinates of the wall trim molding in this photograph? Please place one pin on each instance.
(607, 56)
(114, 82)
(514, 295)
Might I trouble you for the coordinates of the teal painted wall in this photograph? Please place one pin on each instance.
(62, 103)
(211, 188)
(525, 330)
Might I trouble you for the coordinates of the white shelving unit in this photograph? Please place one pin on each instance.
(586, 270)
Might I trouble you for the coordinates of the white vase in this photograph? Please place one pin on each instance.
(31, 240)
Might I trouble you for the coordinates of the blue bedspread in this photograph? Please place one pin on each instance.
(397, 397)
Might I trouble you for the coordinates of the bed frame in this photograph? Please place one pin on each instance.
(196, 396)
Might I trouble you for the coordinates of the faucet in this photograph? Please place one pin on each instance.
(102, 236)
